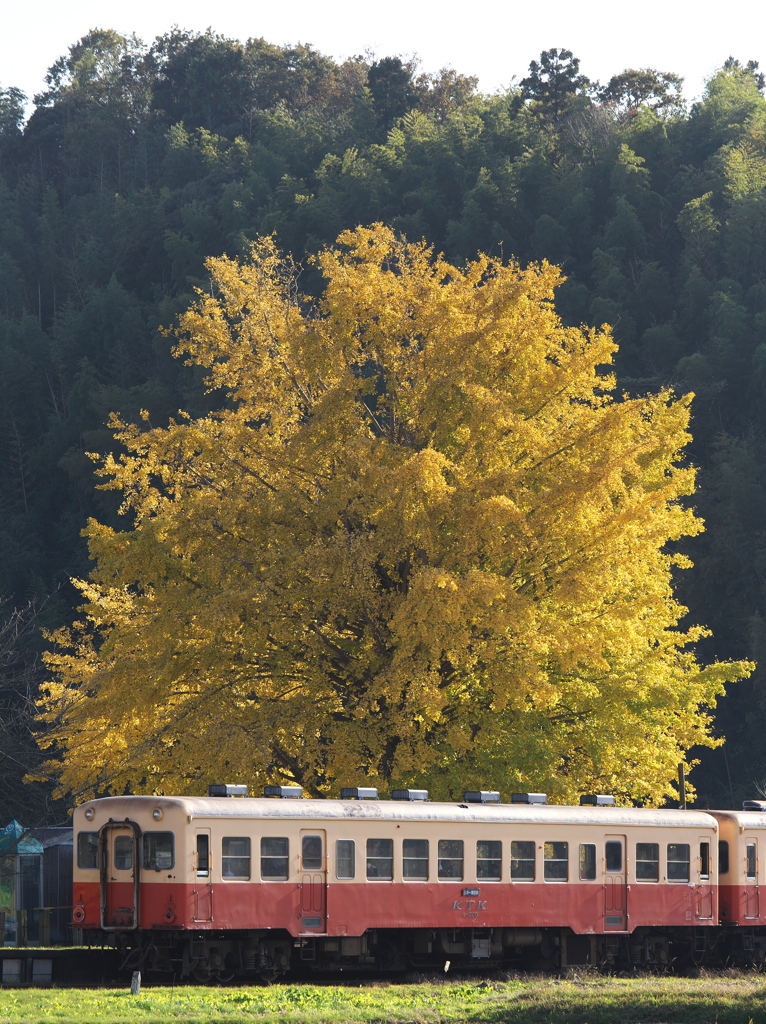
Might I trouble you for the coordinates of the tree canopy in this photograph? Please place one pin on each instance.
(420, 541)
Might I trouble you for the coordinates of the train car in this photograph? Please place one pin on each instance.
(742, 876)
(224, 886)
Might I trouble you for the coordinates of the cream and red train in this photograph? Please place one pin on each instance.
(228, 885)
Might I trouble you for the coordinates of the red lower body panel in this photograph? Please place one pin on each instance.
(353, 908)
(742, 905)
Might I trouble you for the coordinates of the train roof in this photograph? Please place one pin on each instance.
(744, 819)
(396, 810)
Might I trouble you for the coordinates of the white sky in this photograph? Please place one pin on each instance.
(495, 39)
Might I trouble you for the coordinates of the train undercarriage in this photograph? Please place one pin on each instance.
(267, 956)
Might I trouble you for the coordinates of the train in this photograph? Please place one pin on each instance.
(229, 886)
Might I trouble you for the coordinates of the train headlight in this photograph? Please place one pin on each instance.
(78, 915)
(157, 813)
(90, 814)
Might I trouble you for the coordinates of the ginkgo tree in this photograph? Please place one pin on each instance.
(423, 541)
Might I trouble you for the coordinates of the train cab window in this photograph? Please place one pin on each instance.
(587, 861)
(613, 856)
(235, 857)
(489, 860)
(647, 862)
(451, 858)
(704, 860)
(275, 858)
(415, 859)
(203, 855)
(723, 857)
(678, 862)
(123, 853)
(158, 851)
(750, 860)
(87, 850)
(345, 858)
(380, 859)
(556, 862)
(522, 860)
(311, 853)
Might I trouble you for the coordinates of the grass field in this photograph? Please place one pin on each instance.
(581, 999)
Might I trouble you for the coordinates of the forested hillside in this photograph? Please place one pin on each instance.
(140, 162)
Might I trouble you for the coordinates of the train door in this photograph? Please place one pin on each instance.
(203, 882)
(313, 881)
(705, 888)
(615, 885)
(119, 850)
(751, 895)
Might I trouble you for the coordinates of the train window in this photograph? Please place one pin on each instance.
(522, 860)
(415, 859)
(158, 851)
(311, 853)
(750, 859)
(704, 860)
(723, 857)
(345, 858)
(123, 853)
(489, 856)
(556, 862)
(275, 858)
(647, 862)
(380, 859)
(203, 855)
(587, 861)
(613, 855)
(87, 850)
(235, 857)
(678, 862)
(451, 858)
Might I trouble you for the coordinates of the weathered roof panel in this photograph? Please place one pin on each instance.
(390, 810)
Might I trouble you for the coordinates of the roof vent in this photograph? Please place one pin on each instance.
(529, 798)
(409, 794)
(481, 796)
(226, 790)
(285, 792)
(357, 793)
(754, 805)
(597, 800)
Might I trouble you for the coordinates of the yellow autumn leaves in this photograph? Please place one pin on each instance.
(421, 542)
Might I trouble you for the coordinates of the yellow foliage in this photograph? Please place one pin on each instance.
(423, 543)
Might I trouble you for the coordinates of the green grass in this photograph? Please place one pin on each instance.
(581, 999)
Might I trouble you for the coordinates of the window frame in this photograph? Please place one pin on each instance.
(341, 858)
(587, 864)
(203, 856)
(147, 855)
(411, 860)
(655, 848)
(447, 856)
(312, 862)
(609, 859)
(91, 847)
(751, 861)
(379, 860)
(272, 859)
(228, 857)
(123, 856)
(497, 845)
(550, 862)
(672, 874)
(706, 863)
(516, 862)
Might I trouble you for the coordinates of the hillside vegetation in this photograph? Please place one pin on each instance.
(140, 162)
